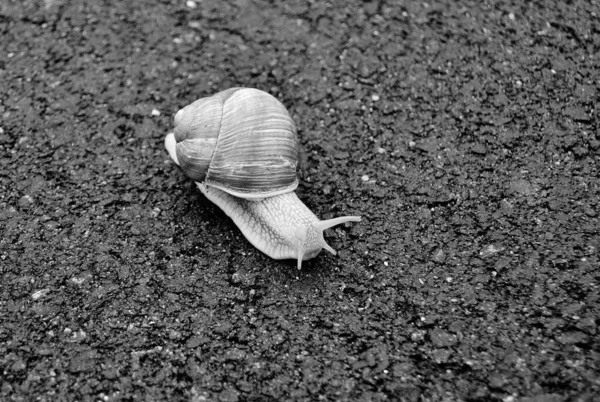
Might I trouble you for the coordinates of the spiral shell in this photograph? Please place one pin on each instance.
(241, 140)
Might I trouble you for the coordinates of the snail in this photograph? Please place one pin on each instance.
(240, 147)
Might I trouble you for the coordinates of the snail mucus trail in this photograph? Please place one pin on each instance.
(240, 146)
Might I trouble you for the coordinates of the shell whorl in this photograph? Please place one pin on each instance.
(241, 140)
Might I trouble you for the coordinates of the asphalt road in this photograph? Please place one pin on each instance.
(465, 133)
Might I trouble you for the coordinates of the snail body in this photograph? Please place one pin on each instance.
(240, 147)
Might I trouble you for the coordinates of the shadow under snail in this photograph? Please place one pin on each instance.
(241, 148)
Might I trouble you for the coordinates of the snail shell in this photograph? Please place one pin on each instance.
(241, 140)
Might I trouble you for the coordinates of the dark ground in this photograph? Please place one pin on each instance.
(473, 276)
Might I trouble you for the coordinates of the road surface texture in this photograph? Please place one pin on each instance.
(465, 133)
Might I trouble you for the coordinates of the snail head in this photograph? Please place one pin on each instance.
(310, 240)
